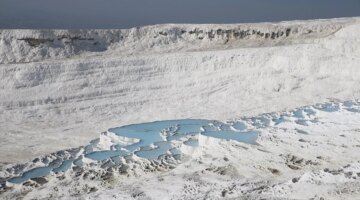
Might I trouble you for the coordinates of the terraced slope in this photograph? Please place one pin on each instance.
(163, 73)
(272, 155)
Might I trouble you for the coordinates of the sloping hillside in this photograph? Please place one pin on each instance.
(117, 77)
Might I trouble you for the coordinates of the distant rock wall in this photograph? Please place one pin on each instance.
(18, 46)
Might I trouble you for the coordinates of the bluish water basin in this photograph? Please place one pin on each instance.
(353, 110)
(299, 114)
(152, 143)
(239, 126)
(78, 162)
(150, 134)
(192, 142)
(309, 111)
(65, 165)
(210, 128)
(88, 148)
(260, 122)
(327, 107)
(177, 154)
(280, 120)
(162, 148)
(349, 103)
(175, 151)
(102, 155)
(34, 173)
(189, 128)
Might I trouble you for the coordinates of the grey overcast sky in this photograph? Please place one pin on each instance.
(129, 13)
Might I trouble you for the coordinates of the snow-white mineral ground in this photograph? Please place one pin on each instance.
(183, 106)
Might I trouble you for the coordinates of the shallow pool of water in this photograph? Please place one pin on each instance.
(166, 137)
(192, 142)
(102, 155)
(65, 165)
(155, 140)
(34, 173)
